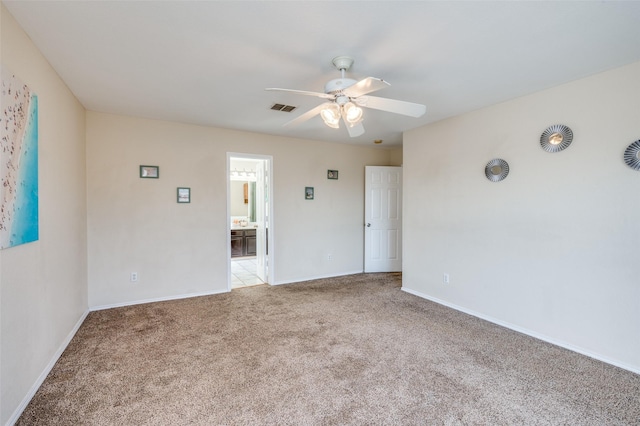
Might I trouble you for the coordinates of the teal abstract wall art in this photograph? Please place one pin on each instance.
(18, 162)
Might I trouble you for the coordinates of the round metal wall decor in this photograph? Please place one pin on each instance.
(632, 155)
(496, 170)
(556, 138)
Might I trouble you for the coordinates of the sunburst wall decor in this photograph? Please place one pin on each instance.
(556, 138)
(632, 155)
(496, 170)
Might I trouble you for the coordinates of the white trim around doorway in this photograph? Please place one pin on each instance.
(271, 233)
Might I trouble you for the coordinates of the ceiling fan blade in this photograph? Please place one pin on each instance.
(307, 115)
(354, 130)
(392, 105)
(364, 86)
(303, 92)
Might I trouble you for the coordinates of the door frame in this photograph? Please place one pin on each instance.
(268, 159)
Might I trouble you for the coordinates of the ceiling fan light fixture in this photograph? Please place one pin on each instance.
(352, 113)
(331, 115)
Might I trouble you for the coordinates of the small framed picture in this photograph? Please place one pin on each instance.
(308, 193)
(184, 195)
(332, 174)
(150, 172)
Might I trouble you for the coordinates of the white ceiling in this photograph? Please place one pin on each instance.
(208, 62)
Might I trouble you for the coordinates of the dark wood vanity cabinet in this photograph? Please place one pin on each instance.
(243, 242)
(237, 243)
(250, 242)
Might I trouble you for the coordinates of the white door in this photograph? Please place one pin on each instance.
(383, 219)
(261, 220)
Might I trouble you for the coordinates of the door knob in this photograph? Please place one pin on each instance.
(368, 225)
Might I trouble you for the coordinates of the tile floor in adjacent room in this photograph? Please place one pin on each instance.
(243, 272)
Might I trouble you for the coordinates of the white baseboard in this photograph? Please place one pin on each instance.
(36, 385)
(157, 299)
(317, 277)
(528, 332)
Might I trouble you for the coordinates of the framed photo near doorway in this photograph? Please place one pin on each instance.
(308, 193)
(150, 172)
(332, 174)
(184, 195)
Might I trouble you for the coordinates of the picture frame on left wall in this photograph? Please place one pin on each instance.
(308, 193)
(184, 195)
(150, 172)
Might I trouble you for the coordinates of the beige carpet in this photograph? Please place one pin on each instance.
(348, 350)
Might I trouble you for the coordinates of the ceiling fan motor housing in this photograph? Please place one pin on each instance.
(338, 85)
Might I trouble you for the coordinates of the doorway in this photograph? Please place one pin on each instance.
(249, 220)
(383, 219)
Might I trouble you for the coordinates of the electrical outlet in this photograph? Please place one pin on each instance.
(134, 277)
(445, 278)
(329, 256)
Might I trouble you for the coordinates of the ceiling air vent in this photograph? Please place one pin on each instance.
(282, 107)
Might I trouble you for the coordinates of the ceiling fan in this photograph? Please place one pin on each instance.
(345, 96)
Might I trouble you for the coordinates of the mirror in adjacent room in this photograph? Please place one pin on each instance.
(242, 190)
(243, 199)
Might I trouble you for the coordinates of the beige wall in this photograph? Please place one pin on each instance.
(43, 284)
(135, 225)
(395, 156)
(552, 250)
